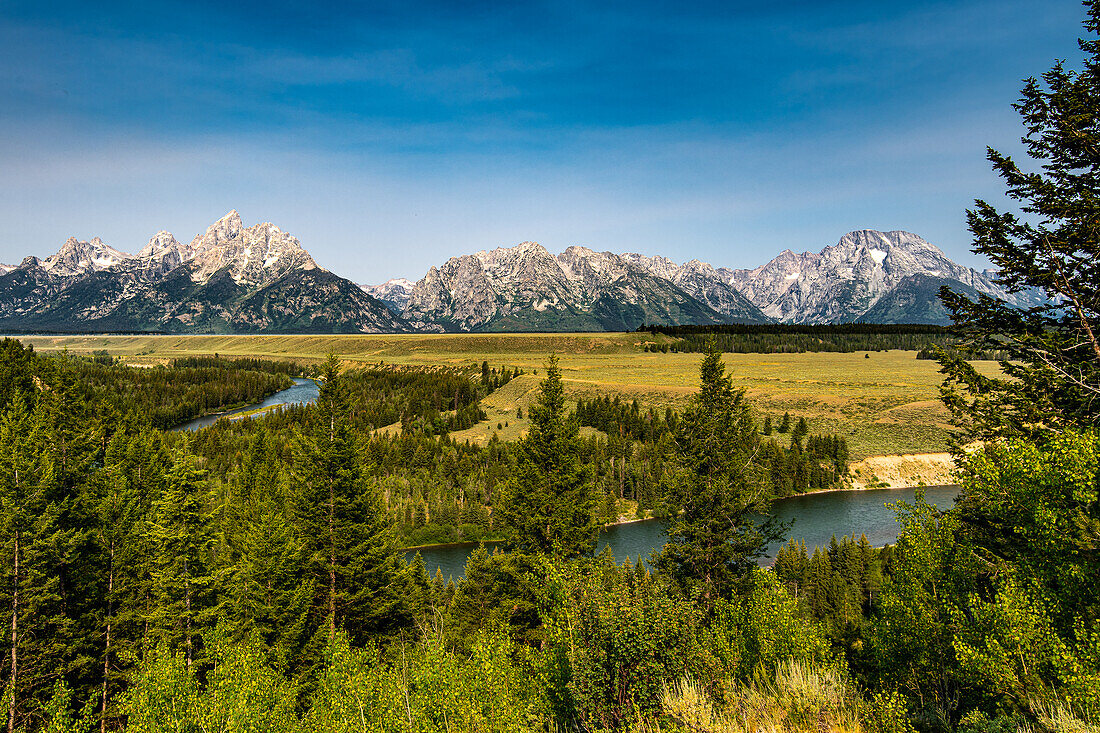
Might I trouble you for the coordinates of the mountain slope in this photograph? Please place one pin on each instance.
(526, 288)
(842, 282)
(916, 299)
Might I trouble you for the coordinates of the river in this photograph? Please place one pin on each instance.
(816, 518)
(302, 392)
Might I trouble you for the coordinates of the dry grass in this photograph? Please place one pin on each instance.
(799, 699)
(882, 402)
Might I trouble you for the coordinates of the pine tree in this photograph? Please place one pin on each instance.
(715, 490)
(548, 505)
(785, 424)
(360, 578)
(1051, 351)
(22, 474)
(131, 475)
(801, 429)
(182, 540)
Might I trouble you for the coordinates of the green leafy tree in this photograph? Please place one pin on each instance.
(716, 490)
(1031, 515)
(1052, 349)
(621, 637)
(920, 613)
(549, 504)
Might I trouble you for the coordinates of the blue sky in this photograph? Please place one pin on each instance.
(388, 136)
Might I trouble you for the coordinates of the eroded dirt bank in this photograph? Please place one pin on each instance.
(895, 472)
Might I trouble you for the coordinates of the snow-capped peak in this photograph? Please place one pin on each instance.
(77, 257)
(254, 256)
(223, 230)
(394, 293)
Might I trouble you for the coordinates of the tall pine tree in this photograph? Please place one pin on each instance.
(1052, 350)
(182, 575)
(549, 505)
(359, 576)
(715, 490)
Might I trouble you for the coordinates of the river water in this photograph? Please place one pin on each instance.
(816, 518)
(302, 392)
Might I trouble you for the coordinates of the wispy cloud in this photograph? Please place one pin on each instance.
(404, 133)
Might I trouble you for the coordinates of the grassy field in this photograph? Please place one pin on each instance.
(882, 402)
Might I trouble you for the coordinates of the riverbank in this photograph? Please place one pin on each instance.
(303, 390)
(875, 472)
(901, 471)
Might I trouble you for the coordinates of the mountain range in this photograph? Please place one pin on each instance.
(233, 279)
(230, 279)
(881, 277)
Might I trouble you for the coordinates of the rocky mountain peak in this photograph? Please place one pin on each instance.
(843, 281)
(254, 256)
(77, 257)
(220, 232)
(510, 259)
(229, 279)
(163, 253)
(394, 293)
(660, 266)
(162, 245)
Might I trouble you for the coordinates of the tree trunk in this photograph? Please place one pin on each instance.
(14, 635)
(331, 565)
(107, 646)
(187, 600)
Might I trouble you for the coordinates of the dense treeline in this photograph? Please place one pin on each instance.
(434, 400)
(807, 463)
(966, 353)
(779, 338)
(837, 585)
(247, 363)
(169, 396)
(613, 416)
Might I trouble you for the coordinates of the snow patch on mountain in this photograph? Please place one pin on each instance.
(394, 293)
(842, 282)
